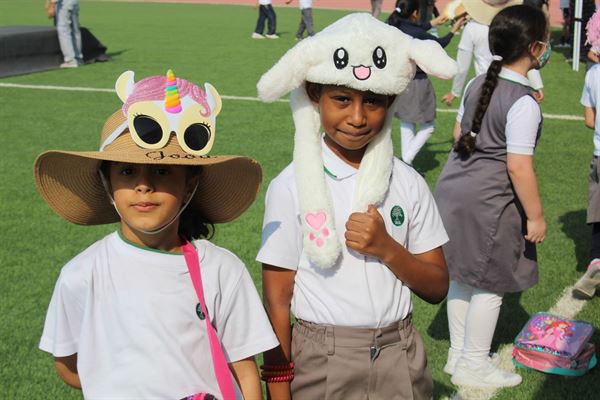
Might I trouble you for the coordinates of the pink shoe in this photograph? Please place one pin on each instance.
(586, 285)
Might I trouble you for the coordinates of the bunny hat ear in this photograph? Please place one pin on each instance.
(432, 58)
(360, 52)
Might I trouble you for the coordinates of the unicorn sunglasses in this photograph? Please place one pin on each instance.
(150, 133)
(151, 128)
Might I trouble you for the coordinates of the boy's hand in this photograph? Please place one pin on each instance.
(366, 233)
(448, 98)
(536, 230)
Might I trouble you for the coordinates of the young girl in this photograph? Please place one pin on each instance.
(488, 195)
(130, 316)
(416, 106)
(349, 231)
(587, 284)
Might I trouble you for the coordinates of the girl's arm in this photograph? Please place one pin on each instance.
(522, 175)
(589, 114)
(456, 131)
(425, 274)
(246, 375)
(463, 60)
(66, 368)
(278, 288)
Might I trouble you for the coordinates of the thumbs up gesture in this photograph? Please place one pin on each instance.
(366, 233)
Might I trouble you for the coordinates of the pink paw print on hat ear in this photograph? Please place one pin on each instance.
(316, 221)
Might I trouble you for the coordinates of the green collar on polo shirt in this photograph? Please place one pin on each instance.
(514, 77)
(139, 246)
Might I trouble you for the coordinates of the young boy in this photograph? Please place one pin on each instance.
(349, 231)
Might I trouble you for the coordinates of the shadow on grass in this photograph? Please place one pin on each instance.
(512, 318)
(426, 158)
(574, 226)
(560, 387)
(441, 390)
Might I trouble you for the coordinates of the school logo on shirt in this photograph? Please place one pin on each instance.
(199, 312)
(397, 215)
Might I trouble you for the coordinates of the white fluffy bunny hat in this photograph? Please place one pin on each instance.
(360, 52)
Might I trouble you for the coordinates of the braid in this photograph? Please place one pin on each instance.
(465, 146)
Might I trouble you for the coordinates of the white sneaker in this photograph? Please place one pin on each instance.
(453, 358)
(70, 64)
(273, 36)
(484, 375)
(257, 36)
(585, 288)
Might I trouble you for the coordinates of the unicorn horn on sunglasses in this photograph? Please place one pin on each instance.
(172, 103)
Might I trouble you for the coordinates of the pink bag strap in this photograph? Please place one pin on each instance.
(219, 362)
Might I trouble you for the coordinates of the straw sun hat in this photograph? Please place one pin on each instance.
(70, 181)
(483, 11)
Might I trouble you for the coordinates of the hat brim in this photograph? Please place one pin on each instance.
(70, 184)
(485, 13)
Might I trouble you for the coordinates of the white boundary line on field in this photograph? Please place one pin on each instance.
(562, 117)
(567, 306)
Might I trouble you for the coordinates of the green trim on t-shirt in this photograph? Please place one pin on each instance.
(139, 246)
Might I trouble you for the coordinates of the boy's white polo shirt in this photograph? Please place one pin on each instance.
(359, 291)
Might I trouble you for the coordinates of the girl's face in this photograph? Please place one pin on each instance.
(351, 119)
(148, 197)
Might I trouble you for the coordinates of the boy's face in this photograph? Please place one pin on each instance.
(148, 196)
(351, 118)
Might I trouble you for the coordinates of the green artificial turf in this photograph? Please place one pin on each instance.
(212, 43)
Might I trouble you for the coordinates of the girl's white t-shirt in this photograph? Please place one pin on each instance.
(590, 97)
(130, 314)
(359, 291)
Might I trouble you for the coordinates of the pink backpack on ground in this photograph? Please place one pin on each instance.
(555, 345)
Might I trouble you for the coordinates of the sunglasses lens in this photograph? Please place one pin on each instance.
(147, 129)
(196, 136)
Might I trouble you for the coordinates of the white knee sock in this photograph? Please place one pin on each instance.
(472, 317)
(459, 296)
(480, 325)
(414, 142)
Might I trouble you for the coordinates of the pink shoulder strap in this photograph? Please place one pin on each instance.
(219, 362)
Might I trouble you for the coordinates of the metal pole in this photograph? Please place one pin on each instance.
(577, 33)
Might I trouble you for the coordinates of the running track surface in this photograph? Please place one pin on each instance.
(357, 5)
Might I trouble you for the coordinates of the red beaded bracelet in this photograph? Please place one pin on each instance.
(277, 379)
(277, 367)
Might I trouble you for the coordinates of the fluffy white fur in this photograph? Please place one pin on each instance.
(312, 59)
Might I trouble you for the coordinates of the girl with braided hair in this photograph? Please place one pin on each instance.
(488, 195)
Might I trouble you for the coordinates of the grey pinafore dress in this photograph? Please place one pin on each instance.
(480, 210)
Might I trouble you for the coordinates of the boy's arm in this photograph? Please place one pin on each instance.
(522, 175)
(425, 274)
(589, 115)
(246, 375)
(278, 288)
(66, 368)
